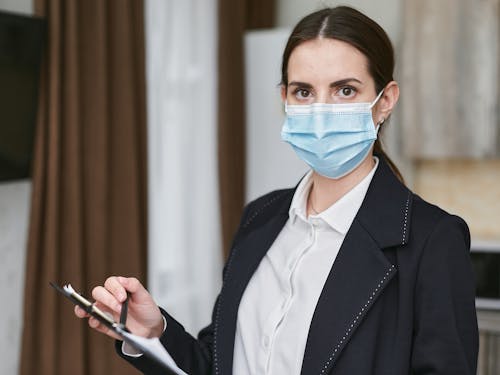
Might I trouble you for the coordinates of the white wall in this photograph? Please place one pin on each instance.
(17, 6)
(271, 163)
(14, 214)
(386, 12)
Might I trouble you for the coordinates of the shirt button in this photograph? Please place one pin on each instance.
(266, 341)
(316, 222)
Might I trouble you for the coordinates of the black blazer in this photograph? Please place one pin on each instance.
(399, 298)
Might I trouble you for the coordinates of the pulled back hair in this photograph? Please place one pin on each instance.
(353, 27)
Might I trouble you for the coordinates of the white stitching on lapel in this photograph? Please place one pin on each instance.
(356, 319)
(267, 204)
(405, 223)
(217, 312)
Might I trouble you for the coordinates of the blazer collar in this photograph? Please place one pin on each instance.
(385, 212)
(386, 206)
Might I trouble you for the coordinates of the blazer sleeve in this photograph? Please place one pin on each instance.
(192, 355)
(446, 332)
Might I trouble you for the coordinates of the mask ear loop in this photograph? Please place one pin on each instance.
(371, 106)
(376, 99)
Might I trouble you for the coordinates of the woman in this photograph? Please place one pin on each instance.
(350, 272)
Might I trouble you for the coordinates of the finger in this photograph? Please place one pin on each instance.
(114, 287)
(131, 284)
(81, 313)
(105, 298)
(134, 286)
(95, 324)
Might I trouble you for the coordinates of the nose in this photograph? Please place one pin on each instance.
(323, 97)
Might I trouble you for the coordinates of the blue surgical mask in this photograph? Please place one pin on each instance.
(332, 138)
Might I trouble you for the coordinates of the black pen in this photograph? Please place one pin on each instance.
(123, 313)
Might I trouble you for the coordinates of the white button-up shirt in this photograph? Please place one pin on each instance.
(277, 306)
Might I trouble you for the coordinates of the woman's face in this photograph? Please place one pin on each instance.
(327, 70)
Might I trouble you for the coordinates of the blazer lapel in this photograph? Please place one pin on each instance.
(358, 276)
(247, 255)
(360, 272)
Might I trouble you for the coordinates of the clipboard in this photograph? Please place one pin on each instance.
(94, 311)
(152, 348)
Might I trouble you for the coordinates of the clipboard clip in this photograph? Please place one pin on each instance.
(91, 309)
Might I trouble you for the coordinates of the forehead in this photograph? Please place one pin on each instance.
(326, 59)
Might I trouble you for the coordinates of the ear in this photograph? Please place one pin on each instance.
(283, 93)
(386, 102)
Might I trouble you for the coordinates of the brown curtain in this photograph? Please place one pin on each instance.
(235, 17)
(88, 218)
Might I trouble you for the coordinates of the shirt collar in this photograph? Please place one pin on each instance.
(338, 216)
(299, 200)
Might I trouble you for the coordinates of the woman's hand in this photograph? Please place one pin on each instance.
(144, 317)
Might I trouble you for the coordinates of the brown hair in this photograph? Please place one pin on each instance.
(353, 27)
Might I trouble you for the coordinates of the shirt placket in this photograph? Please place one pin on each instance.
(279, 313)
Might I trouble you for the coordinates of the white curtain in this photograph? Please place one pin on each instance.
(185, 253)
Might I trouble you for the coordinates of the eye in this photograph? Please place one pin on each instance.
(302, 93)
(347, 91)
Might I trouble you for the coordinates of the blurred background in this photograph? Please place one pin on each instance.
(133, 132)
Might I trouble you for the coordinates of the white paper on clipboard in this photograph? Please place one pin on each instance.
(154, 349)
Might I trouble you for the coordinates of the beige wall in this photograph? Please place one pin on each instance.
(470, 189)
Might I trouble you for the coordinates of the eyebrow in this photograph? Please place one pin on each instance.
(333, 84)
